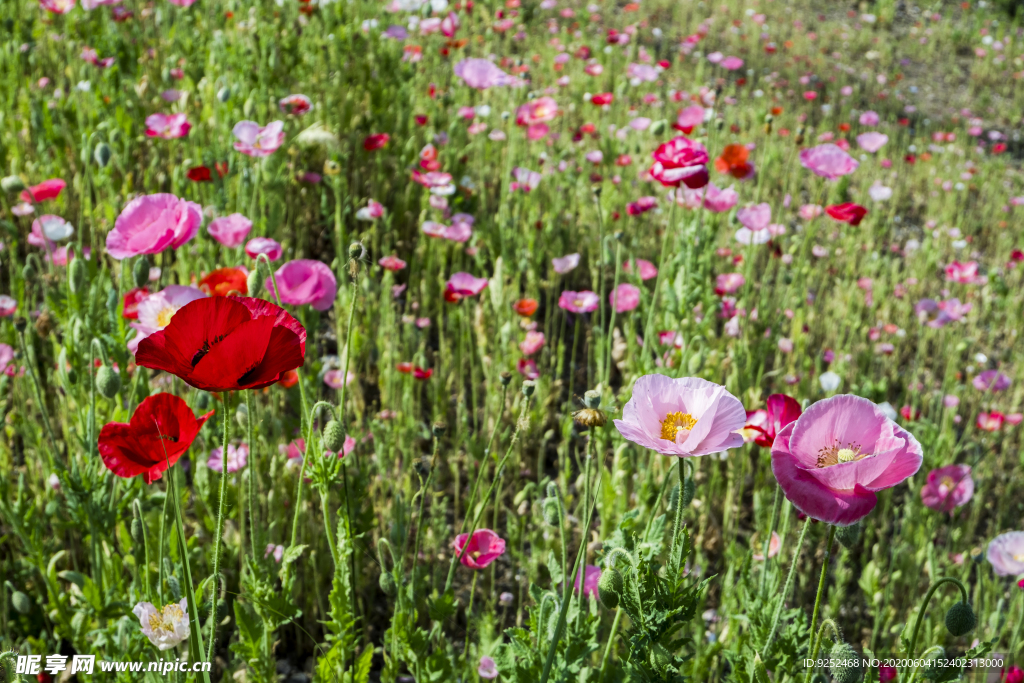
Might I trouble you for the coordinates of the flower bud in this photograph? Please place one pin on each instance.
(848, 536)
(224, 94)
(689, 491)
(137, 534)
(20, 323)
(78, 275)
(592, 399)
(28, 271)
(609, 587)
(528, 388)
(439, 429)
(202, 400)
(108, 382)
(22, 603)
(960, 619)
(101, 155)
(174, 586)
(673, 498)
(506, 379)
(140, 271)
(551, 516)
(356, 250)
(845, 664)
(334, 436)
(12, 183)
(388, 585)
(254, 283)
(658, 127)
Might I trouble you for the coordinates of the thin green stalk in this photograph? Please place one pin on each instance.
(785, 590)
(469, 614)
(815, 637)
(483, 465)
(924, 607)
(611, 641)
(611, 324)
(675, 554)
(30, 365)
(776, 506)
(253, 512)
(649, 345)
(215, 577)
(424, 491)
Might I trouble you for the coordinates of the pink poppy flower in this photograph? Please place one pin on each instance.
(156, 310)
(774, 546)
(948, 488)
(810, 211)
(238, 457)
(392, 263)
(964, 273)
(151, 223)
(258, 141)
(579, 302)
(335, 379)
(756, 217)
(991, 380)
(731, 63)
(231, 230)
(536, 111)
(167, 126)
(482, 74)
(990, 422)
(305, 281)
(680, 161)
(57, 6)
(48, 229)
(564, 264)
(837, 454)
(647, 269)
(276, 550)
(1006, 554)
(764, 425)
(525, 179)
(296, 105)
(641, 206)
(464, 284)
(828, 161)
(264, 245)
(685, 417)
(591, 574)
(182, 3)
(6, 356)
(487, 669)
(373, 210)
(533, 343)
(527, 367)
(8, 306)
(728, 283)
(625, 297)
(715, 200)
(48, 189)
(689, 118)
(872, 142)
(483, 548)
(869, 118)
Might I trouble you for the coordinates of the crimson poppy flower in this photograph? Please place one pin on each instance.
(525, 307)
(603, 98)
(847, 213)
(48, 189)
(223, 281)
(422, 373)
(226, 344)
(376, 141)
(161, 430)
(131, 302)
(763, 425)
(199, 174)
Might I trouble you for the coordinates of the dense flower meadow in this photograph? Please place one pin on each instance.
(517, 340)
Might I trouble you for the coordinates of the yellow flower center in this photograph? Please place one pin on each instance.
(846, 455)
(163, 318)
(948, 483)
(167, 619)
(837, 454)
(1019, 557)
(674, 422)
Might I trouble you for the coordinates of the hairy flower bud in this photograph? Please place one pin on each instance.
(22, 603)
(658, 127)
(551, 516)
(12, 183)
(254, 284)
(78, 275)
(660, 658)
(848, 536)
(689, 490)
(609, 587)
(334, 436)
(528, 388)
(224, 94)
(506, 378)
(439, 429)
(108, 381)
(388, 585)
(137, 534)
(140, 271)
(845, 664)
(960, 619)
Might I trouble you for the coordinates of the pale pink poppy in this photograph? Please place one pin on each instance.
(305, 281)
(231, 230)
(392, 263)
(481, 74)
(579, 302)
(731, 63)
(276, 550)
(238, 457)
(296, 105)
(151, 223)
(371, 212)
(8, 306)
(167, 126)
(464, 284)
(156, 310)
(625, 297)
(258, 141)
(774, 545)
(590, 574)
(564, 264)
(527, 367)
(869, 118)
(647, 269)
(689, 118)
(264, 245)
(6, 358)
(810, 211)
(872, 142)
(828, 161)
(48, 229)
(487, 669)
(57, 6)
(336, 379)
(684, 417)
(728, 283)
(525, 179)
(483, 548)
(714, 199)
(533, 343)
(832, 460)
(182, 3)
(948, 488)
(1006, 554)
(755, 217)
(964, 273)
(536, 111)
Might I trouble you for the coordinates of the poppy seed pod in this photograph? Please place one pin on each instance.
(140, 271)
(388, 585)
(551, 511)
(960, 619)
(845, 664)
(609, 587)
(505, 378)
(22, 603)
(224, 94)
(334, 436)
(108, 381)
(528, 388)
(592, 399)
(101, 155)
(12, 183)
(356, 250)
(848, 536)
(20, 323)
(439, 429)
(78, 274)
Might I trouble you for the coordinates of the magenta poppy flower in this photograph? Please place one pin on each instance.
(647, 269)
(372, 211)
(264, 245)
(231, 230)
(834, 457)
(533, 343)
(481, 74)
(295, 104)
(151, 223)
(536, 111)
(485, 547)
(465, 284)
(869, 118)
(527, 367)
(731, 63)
(57, 6)
(392, 263)
(625, 297)
(948, 488)
(764, 425)
(564, 264)
(964, 273)
(991, 380)
(685, 417)
(828, 161)
(48, 189)
(689, 118)
(990, 422)
(525, 179)
(1006, 554)
(590, 575)
(305, 281)
(728, 283)
(872, 142)
(258, 141)
(167, 126)
(680, 161)
(579, 302)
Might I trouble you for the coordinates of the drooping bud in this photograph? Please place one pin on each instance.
(101, 155)
(12, 183)
(202, 400)
(108, 381)
(20, 323)
(609, 587)
(960, 619)
(388, 585)
(551, 516)
(137, 534)
(253, 283)
(28, 271)
(334, 436)
(845, 664)
(22, 603)
(673, 498)
(78, 275)
(848, 536)
(439, 429)
(140, 271)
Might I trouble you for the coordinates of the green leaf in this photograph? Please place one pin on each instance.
(293, 553)
(361, 674)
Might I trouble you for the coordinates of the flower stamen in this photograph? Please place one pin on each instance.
(837, 454)
(674, 422)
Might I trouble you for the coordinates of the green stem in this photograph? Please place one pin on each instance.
(253, 512)
(195, 641)
(424, 490)
(776, 506)
(608, 647)
(51, 459)
(816, 637)
(483, 465)
(675, 555)
(215, 578)
(649, 345)
(924, 607)
(469, 614)
(785, 590)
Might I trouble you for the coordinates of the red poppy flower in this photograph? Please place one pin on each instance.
(373, 142)
(199, 174)
(603, 98)
(48, 189)
(222, 168)
(734, 162)
(422, 373)
(224, 281)
(421, 120)
(847, 213)
(289, 379)
(161, 430)
(131, 302)
(780, 411)
(525, 307)
(226, 344)
(404, 368)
